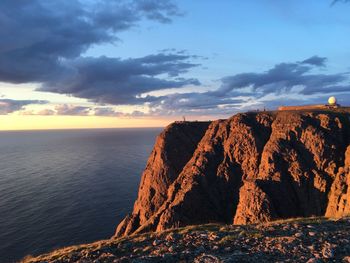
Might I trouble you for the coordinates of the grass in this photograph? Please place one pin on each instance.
(206, 228)
(230, 232)
(227, 239)
(298, 220)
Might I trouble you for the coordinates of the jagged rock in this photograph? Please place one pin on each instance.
(254, 206)
(172, 150)
(339, 198)
(253, 167)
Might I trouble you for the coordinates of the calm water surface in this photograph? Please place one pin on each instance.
(59, 188)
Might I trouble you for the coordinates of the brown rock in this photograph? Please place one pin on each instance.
(172, 150)
(253, 167)
(254, 206)
(339, 198)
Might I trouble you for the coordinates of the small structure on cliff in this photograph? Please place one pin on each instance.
(332, 104)
(332, 101)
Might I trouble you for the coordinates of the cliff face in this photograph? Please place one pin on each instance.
(172, 150)
(253, 167)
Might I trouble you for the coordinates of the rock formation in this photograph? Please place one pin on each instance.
(253, 167)
(172, 150)
(339, 197)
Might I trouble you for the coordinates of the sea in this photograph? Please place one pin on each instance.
(66, 187)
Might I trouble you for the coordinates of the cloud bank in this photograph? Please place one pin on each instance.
(45, 43)
(117, 81)
(284, 77)
(284, 84)
(8, 106)
(298, 82)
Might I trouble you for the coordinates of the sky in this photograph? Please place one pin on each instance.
(145, 63)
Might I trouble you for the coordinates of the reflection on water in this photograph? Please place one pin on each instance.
(59, 188)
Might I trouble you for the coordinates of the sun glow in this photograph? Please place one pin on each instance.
(22, 122)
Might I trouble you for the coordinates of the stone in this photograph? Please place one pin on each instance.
(171, 249)
(311, 234)
(314, 260)
(328, 252)
(215, 247)
(170, 237)
(156, 242)
(206, 258)
(346, 259)
(298, 234)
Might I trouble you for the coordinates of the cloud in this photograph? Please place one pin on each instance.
(117, 81)
(72, 110)
(285, 77)
(283, 84)
(8, 106)
(161, 11)
(110, 112)
(39, 43)
(76, 110)
(315, 61)
(44, 112)
(339, 1)
(44, 43)
(193, 103)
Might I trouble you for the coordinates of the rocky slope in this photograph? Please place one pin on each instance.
(253, 167)
(299, 240)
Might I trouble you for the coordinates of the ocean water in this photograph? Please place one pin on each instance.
(59, 188)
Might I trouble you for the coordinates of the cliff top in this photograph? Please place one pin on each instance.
(297, 240)
(307, 108)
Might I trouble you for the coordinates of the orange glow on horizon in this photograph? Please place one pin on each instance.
(22, 122)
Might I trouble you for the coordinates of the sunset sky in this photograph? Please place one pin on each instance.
(140, 63)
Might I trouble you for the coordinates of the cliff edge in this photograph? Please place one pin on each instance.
(250, 168)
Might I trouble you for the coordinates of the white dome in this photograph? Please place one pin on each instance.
(332, 101)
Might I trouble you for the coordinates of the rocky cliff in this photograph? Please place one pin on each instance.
(253, 167)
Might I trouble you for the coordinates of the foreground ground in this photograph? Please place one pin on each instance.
(297, 240)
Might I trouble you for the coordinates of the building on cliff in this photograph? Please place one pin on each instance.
(332, 104)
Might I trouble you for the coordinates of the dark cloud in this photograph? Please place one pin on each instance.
(41, 40)
(315, 61)
(161, 11)
(339, 1)
(283, 84)
(117, 81)
(8, 106)
(245, 91)
(45, 40)
(285, 77)
(193, 102)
